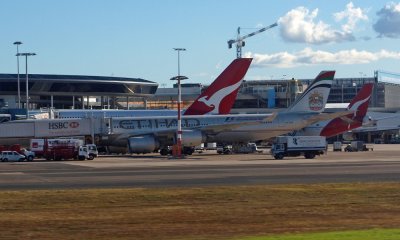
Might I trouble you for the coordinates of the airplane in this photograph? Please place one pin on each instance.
(306, 110)
(343, 124)
(380, 121)
(150, 134)
(377, 122)
(218, 98)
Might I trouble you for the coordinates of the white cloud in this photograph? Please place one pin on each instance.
(308, 56)
(353, 15)
(301, 25)
(388, 23)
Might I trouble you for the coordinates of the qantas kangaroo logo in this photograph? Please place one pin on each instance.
(220, 96)
(214, 101)
(359, 105)
(356, 105)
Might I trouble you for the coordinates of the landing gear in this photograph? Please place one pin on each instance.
(167, 151)
(188, 150)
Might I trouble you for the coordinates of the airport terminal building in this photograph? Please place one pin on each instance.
(100, 92)
(72, 91)
(281, 93)
(84, 92)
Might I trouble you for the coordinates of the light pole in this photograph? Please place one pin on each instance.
(342, 93)
(286, 89)
(179, 130)
(17, 43)
(26, 83)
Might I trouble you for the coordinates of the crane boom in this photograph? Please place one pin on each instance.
(239, 40)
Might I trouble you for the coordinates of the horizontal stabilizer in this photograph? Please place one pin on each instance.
(327, 116)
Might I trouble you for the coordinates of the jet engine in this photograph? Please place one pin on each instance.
(191, 138)
(143, 144)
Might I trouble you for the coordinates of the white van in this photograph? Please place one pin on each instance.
(11, 156)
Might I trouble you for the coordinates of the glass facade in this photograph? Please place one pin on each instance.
(63, 87)
(343, 91)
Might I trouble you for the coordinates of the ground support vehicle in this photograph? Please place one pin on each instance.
(63, 149)
(227, 149)
(64, 152)
(337, 146)
(170, 150)
(245, 148)
(307, 146)
(29, 155)
(11, 156)
(200, 148)
(357, 146)
(92, 151)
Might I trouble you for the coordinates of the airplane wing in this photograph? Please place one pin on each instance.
(375, 128)
(329, 116)
(380, 124)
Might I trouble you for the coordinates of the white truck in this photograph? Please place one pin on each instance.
(307, 146)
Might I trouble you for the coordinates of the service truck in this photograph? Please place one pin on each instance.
(290, 146)
(63, 148)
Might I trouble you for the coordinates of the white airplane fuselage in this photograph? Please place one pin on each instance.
(165, 127)
(284, 122)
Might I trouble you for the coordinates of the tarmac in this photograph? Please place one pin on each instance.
(203, 169)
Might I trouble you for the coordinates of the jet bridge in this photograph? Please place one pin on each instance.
(46, 128)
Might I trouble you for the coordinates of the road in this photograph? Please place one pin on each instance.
(382, 164)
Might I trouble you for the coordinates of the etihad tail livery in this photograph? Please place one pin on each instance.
(220, 96)
(314, 98)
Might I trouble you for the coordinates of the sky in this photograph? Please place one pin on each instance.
(135, 38)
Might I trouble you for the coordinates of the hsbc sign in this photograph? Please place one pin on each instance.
(60, 128)
(63, 125)
(73, 124)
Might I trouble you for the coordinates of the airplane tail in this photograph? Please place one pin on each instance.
(220, 96)
(314, 98)
(359, 108)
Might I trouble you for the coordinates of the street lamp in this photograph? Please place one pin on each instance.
(17, 43)
(179, 130)
(26, 75)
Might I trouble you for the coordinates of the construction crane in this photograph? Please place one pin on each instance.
(239, 40)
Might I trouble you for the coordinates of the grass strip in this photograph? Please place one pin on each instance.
(224, 212)
(372, 234)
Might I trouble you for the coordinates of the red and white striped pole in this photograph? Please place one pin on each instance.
(179, 129)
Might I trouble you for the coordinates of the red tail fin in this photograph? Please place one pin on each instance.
(359, 105)
(220, 96)
(360, 102)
